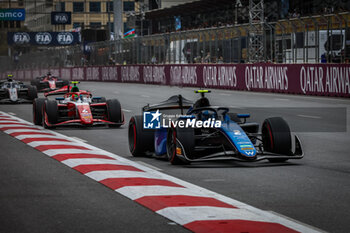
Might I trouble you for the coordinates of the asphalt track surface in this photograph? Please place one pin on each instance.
(38, 194)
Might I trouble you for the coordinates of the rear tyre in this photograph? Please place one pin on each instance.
(38, 104)
(276, 137)
(32, 92)
(114, 112)
(51, 110)
(140, 140)
(36, 83)
(187, 140)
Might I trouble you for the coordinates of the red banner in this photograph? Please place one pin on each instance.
(308, 79)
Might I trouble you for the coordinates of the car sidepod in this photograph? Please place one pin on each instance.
(160, 137)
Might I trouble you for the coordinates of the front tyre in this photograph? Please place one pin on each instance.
(140, 140)
(276, 137)
(38, 104)
(176, 136)
(114, 112)
(50, 113)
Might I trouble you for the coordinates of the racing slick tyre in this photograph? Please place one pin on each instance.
(114, 112)
(276, 137)
(36, 83)
(187, 140)
(32, 92)
(38, 104)
(51, 110)
(140, 140)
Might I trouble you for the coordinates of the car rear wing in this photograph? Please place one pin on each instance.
(60, 91)
(174, 102)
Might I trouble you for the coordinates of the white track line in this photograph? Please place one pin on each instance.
(308, 116)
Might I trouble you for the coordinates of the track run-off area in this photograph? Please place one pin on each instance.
(107, 190)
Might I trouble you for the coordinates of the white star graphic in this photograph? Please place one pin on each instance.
(156, 115)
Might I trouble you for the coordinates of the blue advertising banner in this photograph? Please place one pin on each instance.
(12, 14)
(61, 18)
(43, 38)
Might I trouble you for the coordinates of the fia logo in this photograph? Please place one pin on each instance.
(21, 38)
(61, 18)
(65, 38)
(151, 120)
(43, 38)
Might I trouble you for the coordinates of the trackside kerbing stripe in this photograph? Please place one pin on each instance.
(156, 203)
(10, 123)
(73, 162)
(52, 152)
(28, 134)
(116, 183)
(57, 147)
(62, 157)
(136, 192)
(187, 214)
(104, 167)
(28, 140)
(231, 226)
(102, 175)
(18, 127)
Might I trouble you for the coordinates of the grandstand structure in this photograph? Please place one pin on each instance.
(302, 38)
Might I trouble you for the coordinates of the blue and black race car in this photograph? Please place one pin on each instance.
(201, 132)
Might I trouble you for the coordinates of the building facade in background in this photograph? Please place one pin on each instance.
(85, 14)
(11, 25)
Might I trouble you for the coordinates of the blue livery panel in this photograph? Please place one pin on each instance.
(239, 138)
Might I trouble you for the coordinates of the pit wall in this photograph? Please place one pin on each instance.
(305, 79)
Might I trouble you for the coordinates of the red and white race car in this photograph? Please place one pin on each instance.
(48, 83)
(77, 108)
(62, 90)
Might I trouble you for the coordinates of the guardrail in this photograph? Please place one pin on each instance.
(306, 79)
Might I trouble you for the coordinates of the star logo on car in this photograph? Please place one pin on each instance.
(156, 115)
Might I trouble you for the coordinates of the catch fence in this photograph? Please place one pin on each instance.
(314, 39)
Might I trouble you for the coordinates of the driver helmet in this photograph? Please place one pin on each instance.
(75, 89)
(9, 77)
(74, 97)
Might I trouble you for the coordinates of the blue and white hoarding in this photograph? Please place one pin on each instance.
(12, 14)
(43, 38)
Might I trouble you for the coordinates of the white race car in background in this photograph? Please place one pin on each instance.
(12, 91)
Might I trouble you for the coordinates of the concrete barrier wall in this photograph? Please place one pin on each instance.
(307, 79)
